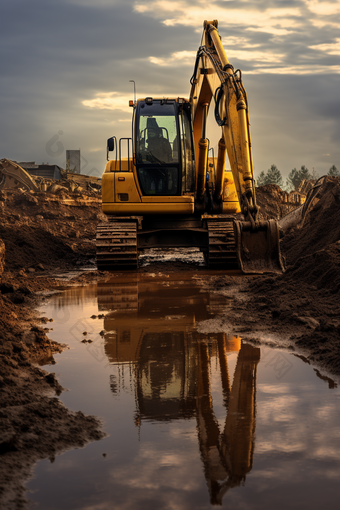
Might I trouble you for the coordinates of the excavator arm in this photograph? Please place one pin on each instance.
(257, 243)
(13, 176)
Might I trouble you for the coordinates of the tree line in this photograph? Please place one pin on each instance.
(294, 179)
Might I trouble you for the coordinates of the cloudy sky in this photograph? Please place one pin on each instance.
(66, 66)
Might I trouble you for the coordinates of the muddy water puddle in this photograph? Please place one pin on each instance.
(192, 419)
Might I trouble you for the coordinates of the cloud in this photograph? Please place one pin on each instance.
(276, 20)
(188, 57)
(322, 8)
(330, 48)
(179, 57)
(109, 101)
(298, 70)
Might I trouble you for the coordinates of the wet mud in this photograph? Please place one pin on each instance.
(45, 235)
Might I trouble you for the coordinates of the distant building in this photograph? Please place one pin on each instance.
(73, 161)
(47, 171)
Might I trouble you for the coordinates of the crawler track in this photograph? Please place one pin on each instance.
(116, 244)
(222, 248)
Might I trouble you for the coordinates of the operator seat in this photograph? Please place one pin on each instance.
(158, 146)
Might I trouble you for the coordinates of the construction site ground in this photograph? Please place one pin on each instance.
(44, 236)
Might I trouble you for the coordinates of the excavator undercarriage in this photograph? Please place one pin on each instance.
(120, 240)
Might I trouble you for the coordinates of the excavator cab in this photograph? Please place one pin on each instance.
(164, 155)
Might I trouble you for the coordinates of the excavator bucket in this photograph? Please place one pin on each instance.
(258, 250)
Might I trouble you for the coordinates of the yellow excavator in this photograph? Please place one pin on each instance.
(169, 192)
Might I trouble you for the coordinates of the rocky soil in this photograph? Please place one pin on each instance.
(43, 234)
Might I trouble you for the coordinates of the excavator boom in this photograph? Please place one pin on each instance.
(257, 244)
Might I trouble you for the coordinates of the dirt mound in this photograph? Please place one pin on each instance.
(313, 252)
(321, 227)
(272, 202)
(307, 293)
(48, 229)
(29, 246)
(320, 269)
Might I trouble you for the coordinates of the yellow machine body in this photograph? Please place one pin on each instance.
(122, 195)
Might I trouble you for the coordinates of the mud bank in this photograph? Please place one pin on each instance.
(39, 234)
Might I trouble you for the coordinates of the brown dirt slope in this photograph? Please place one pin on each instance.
(50, 229)
(272, 202)
(313, 251)
(307, 294)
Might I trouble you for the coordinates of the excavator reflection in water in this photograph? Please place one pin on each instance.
(152, 330)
